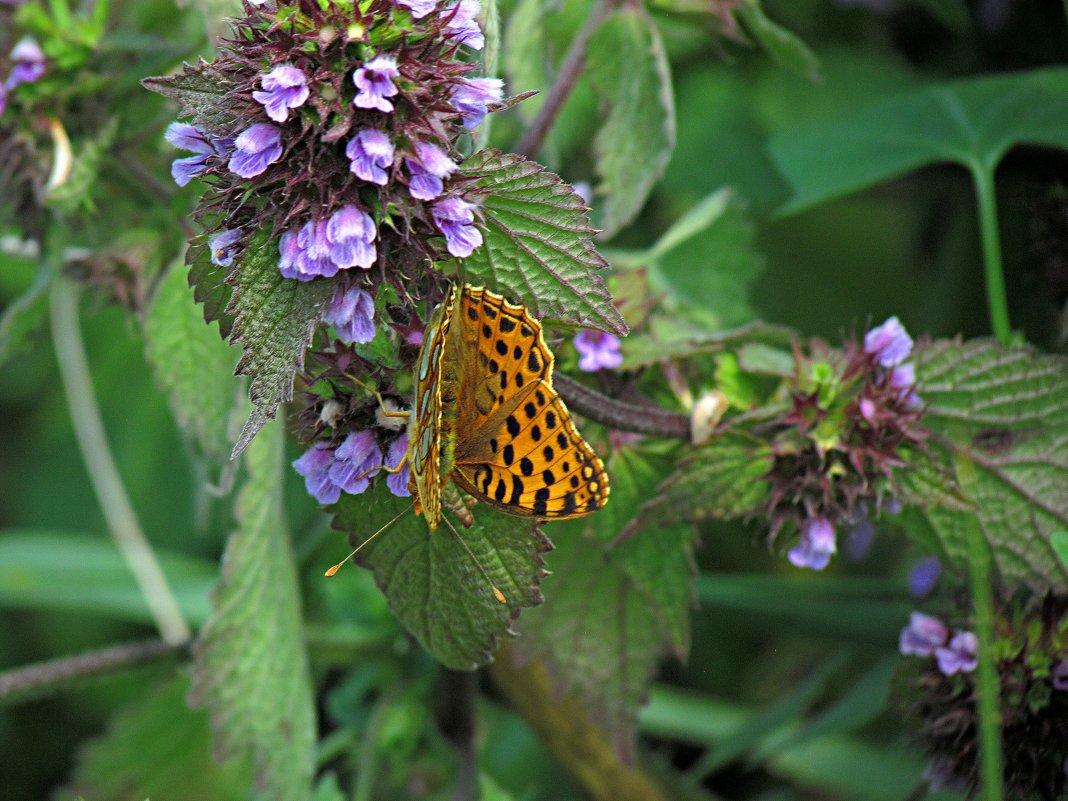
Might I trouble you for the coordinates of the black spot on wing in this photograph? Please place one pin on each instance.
(550, 420)
(517, 491)
(533, 361)
(502, 348)
(512, 425)
(508, 454)
(472, 313)
(500, 490)
(507, 324)
(526, 467)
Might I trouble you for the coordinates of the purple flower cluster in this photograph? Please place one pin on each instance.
(28, 65)
(352, 313)
(927, 636)
(329, 471)
(323, 247)
(455, 219)
(598, 350)
(890, 344)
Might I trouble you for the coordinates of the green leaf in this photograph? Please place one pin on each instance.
(538, 247)
(636, 595)
(274, 320)
(784, 47)
(666, 337)
(721, 479)
(1059, 540)
(1003, 409)
(201, 94)
(972, 122)
(433, 586)
(210, 289)
(156, 748)
(629, 71)
(24, 318)
(85, 573)
(525, 54)
(193, 366)
(251, 669)
(710, 260)
(76, 192)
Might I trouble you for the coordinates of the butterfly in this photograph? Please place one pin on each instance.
(486, 416)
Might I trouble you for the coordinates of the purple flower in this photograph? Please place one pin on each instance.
(816, 545)
(924, 575)
(419, 8)
(961, 655)
(471, 97)
(355, 460)
(398, 482)
(903, 379)
(258, 147)
(375, 82)
(351, 234)
(1060, 675)
(428, 166)
(3, 98)
(191, 138)
(315, 466)
(598, 350)
(371, 154)
(284, 87)
(463, 25)
(923, 635)
(352, 313)
(322, 247)
(455, 219)
(225, 246)
(890, 343)
(28, 62)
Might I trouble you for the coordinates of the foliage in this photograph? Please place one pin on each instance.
(770, 181)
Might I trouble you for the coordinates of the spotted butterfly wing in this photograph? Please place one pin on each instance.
(516, 449)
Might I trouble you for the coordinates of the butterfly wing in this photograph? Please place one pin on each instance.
(517, 448)
(425, 424)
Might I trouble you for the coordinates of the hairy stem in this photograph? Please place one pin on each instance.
(621, 416)
(103, 474)
(566, 78)
(986, 200)
(31, 681)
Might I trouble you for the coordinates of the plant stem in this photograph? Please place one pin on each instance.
(32, 680)
(986, 200)
(987, 691)
(566, 78)
(622, 416)
(104, 476)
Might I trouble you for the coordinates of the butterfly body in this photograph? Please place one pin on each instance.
(487, 417)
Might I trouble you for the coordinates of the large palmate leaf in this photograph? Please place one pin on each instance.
(251, 670)
(157, 748)
(433, 585)
(972, 122)
(274, 319)
(1005, 410)
(611, 612)
(538, 248)
(629, 72)
(193, 366)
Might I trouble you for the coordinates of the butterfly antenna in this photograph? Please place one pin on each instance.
(337, 567)
(496, 592)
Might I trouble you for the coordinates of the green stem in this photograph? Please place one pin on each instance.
(988, 685)
(104, 476)
(983, 177)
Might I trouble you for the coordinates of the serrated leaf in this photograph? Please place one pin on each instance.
(193, 366)
(210, 289)
(709, 258)
(274, 320)
(1059, 540)
(433, 586)
(629, 72)
(1005, 409)
(721, 479)
(971, 122)
(24, 317)
(201, 94)
(538, 245)
(251, 669)
(75, 193)
(785, 47)
(156, 748)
